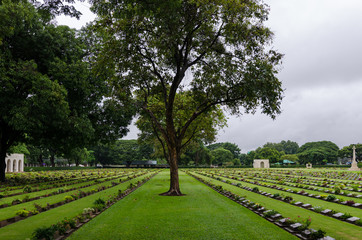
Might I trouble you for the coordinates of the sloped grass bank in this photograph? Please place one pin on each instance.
(201, 214)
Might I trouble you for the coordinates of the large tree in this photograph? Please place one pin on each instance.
(232, 147)
(215, 52)
(288, 147)
(347, 152)
(30, 101)
(50, 96)
(268, 153)
(318, 152)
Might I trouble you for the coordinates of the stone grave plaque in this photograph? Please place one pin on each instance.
(353, 219)
(326, 211)
(307, 205)
(338, 215)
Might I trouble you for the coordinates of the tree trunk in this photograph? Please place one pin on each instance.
(2, 165)
(40, 160)
(52, 159)
(3, 150)
(174, 180)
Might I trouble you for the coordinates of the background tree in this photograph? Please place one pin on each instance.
(317, 152)
(232, 147)
(222, 156)
(196, 154)
(347, 152)
(290, 157)
(268, 153)
(288, 147)
(222, 46)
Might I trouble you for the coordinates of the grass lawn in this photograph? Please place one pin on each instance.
(334, 228)
(201, 214)
(24, 229)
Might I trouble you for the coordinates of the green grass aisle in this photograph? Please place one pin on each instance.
(201, 214)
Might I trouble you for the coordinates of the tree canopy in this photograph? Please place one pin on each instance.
(50, 96)
(347, 151)
(288, 147)
(232, 147)
(318, 152)
(268, 153)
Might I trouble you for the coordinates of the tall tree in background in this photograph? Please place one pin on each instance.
(232, 147)
(318, 152)
(221, 46)
(288, 147)
(347, 152)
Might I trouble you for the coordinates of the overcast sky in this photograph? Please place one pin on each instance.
(321, 75)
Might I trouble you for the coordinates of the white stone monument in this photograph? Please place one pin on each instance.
(308, 165)
(354, 166)
(15, 162)
(261, 163)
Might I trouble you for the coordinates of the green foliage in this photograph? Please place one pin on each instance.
(347, 152)
(68, 198)
(270, 213)
(22, 213)
(221, 155)
(268, 153)
(122, 152)
(232, 147)
(331, 198)
(44, 233)
(316, 152)
(290, 157)
(317, 235)
(288, 147)
(27, 189)
(99, 204)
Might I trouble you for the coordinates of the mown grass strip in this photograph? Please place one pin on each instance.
(10, 212)
(201, 214)
(71, 187)
(334, 228)
(305, 199)
(24, 229)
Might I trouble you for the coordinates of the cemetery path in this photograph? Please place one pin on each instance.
(201, 214)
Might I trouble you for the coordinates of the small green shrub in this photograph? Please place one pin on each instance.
(99, 204)
(275, 195)
(345, 216)
(27, 189)
(288, 198)
(270, 213)
(68, 198)
(318, 209)
(331, 198)
(317, 235)
(255, 189)
(44, 233)
(22, 213)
